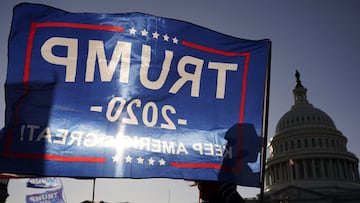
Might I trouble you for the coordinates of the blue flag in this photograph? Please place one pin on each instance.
(44, 182)
(131, 95)
(50, 196)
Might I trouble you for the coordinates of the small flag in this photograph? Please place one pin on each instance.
(44, 182)
(291, 162)
(51, 196)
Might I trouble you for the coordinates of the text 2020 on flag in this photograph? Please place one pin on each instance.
(131, 95)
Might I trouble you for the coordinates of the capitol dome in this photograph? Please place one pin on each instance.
(304, 116)
(309, 153)
(302, 113)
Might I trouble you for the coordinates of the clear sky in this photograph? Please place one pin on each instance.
(319, 38)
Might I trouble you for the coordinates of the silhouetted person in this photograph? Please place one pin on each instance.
(244, 165)
(218, 192)
(3, 189)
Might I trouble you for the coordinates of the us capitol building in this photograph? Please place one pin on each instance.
(309, 161)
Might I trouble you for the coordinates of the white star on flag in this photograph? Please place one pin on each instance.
(128, 159)
(140, 160)
(144, 32)
(151, 161)
(175, 40)
(132, 31)
(162, 162)
(116, 158)
(166, 37)
(155, 35)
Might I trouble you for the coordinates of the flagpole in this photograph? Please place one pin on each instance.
(265, 127)
(291, 165)
(93, 192)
